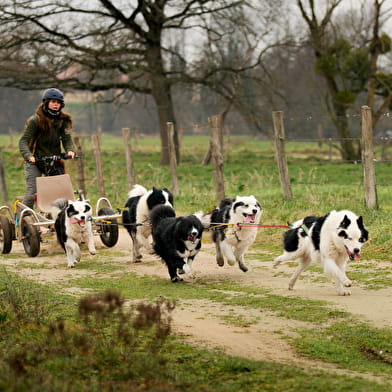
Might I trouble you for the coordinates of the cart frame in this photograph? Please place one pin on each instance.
(33, 227)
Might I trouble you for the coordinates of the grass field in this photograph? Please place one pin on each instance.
(318, 185)
(54, 341)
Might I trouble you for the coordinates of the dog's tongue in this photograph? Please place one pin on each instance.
(249, 218)
(77, 221)
(191, 238)
(352, 255)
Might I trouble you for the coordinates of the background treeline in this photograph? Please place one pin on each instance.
(147, 63)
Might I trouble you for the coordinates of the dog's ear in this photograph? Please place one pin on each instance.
(360, 221)
(71, 210)
(364, 232)
(345, 223)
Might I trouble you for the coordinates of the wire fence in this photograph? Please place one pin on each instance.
(303, 150)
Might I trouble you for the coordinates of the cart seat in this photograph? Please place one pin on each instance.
(51, 188)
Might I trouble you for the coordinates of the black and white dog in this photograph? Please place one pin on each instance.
(329, 240)
(73, 226)
(136, 216)
(235, 222)
(177, 240)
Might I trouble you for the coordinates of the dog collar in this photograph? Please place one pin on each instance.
(305, 229)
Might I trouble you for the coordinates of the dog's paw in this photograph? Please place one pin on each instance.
(344, 293)
(220, 261)
(176, 279)
(71, 265)
(137, 259)
(93, 251)
(277, 261)
(347, 283)
(243, 267)
(186, 268)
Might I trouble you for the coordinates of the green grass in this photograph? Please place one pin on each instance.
(226, 293)
(318, 185)
(351, 345)
(47, 344)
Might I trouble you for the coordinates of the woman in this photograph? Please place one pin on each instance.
(43, 135)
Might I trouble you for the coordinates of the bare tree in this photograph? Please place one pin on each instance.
(380, 83)
(114, 46)
(348, 68)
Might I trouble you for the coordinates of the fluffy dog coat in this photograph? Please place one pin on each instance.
(73, 226)
(136, 215)
(330, 240)
(231, 239)
(177, 240)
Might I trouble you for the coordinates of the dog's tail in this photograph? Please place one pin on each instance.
(160, 212)
(57, 206)
(137, 190)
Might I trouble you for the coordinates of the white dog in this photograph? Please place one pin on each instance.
(235, 222)
(136, 216)
(73, 226)
(330, 240)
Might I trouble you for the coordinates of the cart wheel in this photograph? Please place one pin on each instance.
(5, 235)
(108, 232)
(30, 237)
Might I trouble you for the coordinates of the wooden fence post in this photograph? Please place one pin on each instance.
(81, 178)
(330, 149)
(180, 132)
(277, 117)
(369, 177)
(11, 133)
(136, 135)
(98, 164)
(207, 156)
(216, 154)
(172, 157)
(126, 132)
(320, 134)
(2, 179)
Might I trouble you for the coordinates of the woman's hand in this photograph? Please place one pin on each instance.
(32, 159)
(71, 154)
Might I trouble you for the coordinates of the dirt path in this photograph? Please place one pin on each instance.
(201, 322)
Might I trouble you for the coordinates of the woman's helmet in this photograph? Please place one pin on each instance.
(53, 93)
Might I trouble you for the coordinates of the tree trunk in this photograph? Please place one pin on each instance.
(163, 100)
(161, 92)
(340, 119)
(347, 147)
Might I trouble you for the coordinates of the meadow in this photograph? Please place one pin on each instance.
(52, 340)
(318, 184)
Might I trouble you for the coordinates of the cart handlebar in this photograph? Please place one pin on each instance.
(52, 158)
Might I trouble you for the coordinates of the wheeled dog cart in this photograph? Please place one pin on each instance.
(33, 227)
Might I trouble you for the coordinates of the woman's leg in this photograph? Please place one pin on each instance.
(31, 173)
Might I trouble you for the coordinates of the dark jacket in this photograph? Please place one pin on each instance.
(35, 142)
